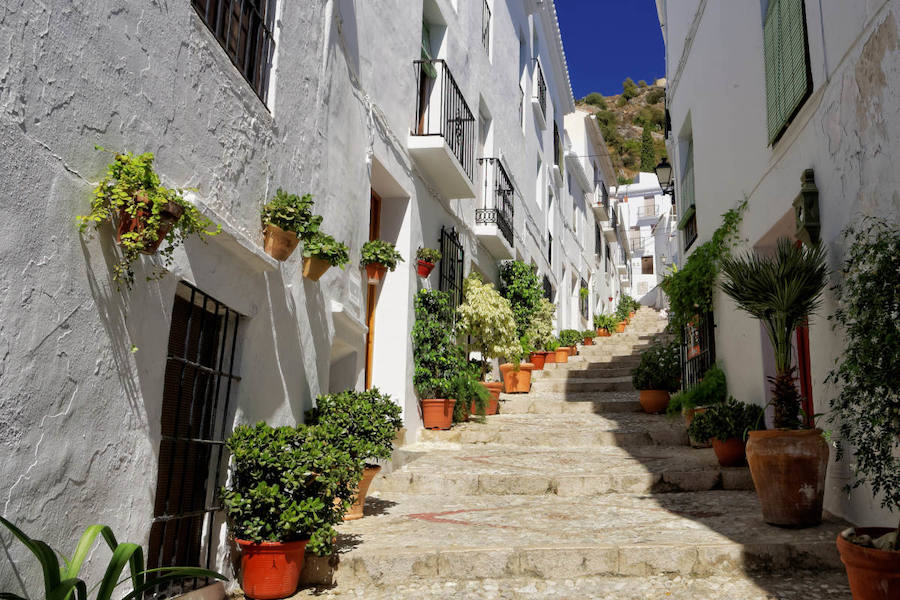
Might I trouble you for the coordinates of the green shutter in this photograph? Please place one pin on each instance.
(687, 181)
(772, 48)
(787, 66)
(426, 51)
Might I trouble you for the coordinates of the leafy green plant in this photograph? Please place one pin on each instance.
(131, 189)
(648, 152)
(607, 322)
(710, 390)
(64, 582)
(365, 423)
(730, 419)
(659, 368)
(381, 252)
(429, 255)
(781, 291)
(323, 246)
(436, 356)
(589, 333)
(867, 406)
(570, 337)
(487, 318)
(466, 389)
(622, 309)
(553, 345)
(291, 213)
(519, 283)
(540, 330)
(284, 483)
(583, 293)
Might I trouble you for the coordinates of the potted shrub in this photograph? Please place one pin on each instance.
(365, 425)
(320, 252)
(657, 374)
(726, 426)
(425, 259)
(287, 219)
(521, 285)
(712, 389)
(540, 333)
(437, 358)
(605, 325)
(568, 339)
(788, 461)
(560, 352)
(588, 335)
(378, 257)
(144, 212)
(472, 398)
(866, 407)
(287, 489)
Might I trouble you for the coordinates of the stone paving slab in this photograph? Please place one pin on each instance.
(583, 373)
(476, 537)
(606, 384)
(550, 403)
(496, 469)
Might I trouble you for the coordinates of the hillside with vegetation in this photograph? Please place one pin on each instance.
(633, 126)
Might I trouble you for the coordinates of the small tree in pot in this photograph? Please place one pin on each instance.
(658, 373)
(782, 291)
(378, 257)
(867, 407)
(437, 357)
(727, 426)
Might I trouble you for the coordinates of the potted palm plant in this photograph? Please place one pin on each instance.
(540, 333)
(437, 358)
(287, 219)
(378, 257)
(787, 463)
(320, 252)
(867, 407)
(727, 426)
(657, 374)
(425, 259)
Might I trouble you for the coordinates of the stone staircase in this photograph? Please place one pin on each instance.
(573, 492)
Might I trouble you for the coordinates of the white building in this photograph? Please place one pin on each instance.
(433, 123)
(729, 145)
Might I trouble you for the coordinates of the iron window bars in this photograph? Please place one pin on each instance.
(498, 206)
(442, 110)
(486, 27)
(690, 231)
(541, 86)
(549, 248)
(244, 29)
(698, 349)
(450, 278)
(197, 388)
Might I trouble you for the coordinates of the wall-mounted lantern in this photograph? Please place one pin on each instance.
(806, 210)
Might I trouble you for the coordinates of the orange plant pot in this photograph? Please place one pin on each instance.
(437, 413)
(731, 452)
(278, 243)
(169, 215)
(356, 509)
(873, 574)
(562, 355)
(375, 273)
(538, 359)
(494, 387)
(550, 358)
(602, 333)
(572, 350)
(654, 401)
(620, 327)
(516, 382)
(314, 268)
(271, 570)
(588, 341)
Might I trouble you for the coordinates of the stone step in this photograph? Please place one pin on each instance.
(584, 373)
(550, 403)
(696, 534)
(581, 363)
(585, 384)
(492, 469)
(566, 431)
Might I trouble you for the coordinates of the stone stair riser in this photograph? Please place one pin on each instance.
(526, 405)
(562, 439)
(549, 385)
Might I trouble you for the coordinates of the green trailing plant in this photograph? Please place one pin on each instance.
(323, 246)
(710, 390)
(289, 483)
(487, 318)
(64, 582)
(659, 368)
(781, 291)
(690, 288)
(132, 189)
(436, 356)
(570, 337)
(429, 255)
(365, 423)
(867, 374)
(540, 330)
(583, 293)
(730, 419)
(381, 252)
(291, 212)
(520, 284)
(607, 322)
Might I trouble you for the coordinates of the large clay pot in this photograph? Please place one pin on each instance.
(356, 509)
(788, 469)
(689, 415)
(620, 327)
(423, 268)
(562, 355)
(438, 413)
(570, 350)
(278, 243)
(588, 341)
(538, 359)
(375, 272)
(654, 401)
(494, 387)
(271, 570)
(551, 357)
(874, 574)
(169, 215)
(731, 452)
(603, 332)
(516, 381)
(314, 268)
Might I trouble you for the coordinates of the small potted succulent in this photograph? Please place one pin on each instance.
(437, 359)
(588, 335)
(287, 219)
(727, 426)
(320, 252)
(540, 332)
(425, 259)
(569, 339)
(378, 257)
(657, 374)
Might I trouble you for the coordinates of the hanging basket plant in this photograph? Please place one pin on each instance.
(320, 252)
(378, 257)
(425, 260)
(144, 213)
(286, 220)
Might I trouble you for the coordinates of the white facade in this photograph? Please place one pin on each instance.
(845, 130)
(82, 365)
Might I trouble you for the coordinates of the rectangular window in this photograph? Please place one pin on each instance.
(688, 222)
(788, 73)
(647, 265)
(486, 26)
(244, 29)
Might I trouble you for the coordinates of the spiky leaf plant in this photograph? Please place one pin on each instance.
(781, 291)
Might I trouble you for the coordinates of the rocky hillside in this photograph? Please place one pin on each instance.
(623, 118)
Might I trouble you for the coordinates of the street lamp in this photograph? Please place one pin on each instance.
(664, 174)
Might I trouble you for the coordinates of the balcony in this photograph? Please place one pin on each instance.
(600, 203)
(639, 246)
(646, 215)
(610, 232)
(442, 141)
(539, 96)
(494, 221)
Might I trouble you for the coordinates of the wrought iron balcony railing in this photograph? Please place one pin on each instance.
(497, 198)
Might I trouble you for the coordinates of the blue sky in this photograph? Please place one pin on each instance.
(609, 40)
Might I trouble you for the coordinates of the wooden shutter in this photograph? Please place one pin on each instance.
(788, 75)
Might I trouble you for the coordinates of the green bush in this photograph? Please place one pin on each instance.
(466, 389)
(659, 368)
(655, 95)
(436, 356)
(570, 337)
(429, 255)
(730, 419)
(519, 283)
(595, 99)
(540, 332)
(712, 389)
(284, 482)
(648, 153)
(365, 423)
(381, 252)
(607, 322)
(487, 318)
(323, 246)
(553, 345)
(291, 213)
(589, 333)
(629, 89)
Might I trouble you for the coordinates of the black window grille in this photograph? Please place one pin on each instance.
(550, 248)
(486, 26)
(548, 289)
(498, 198)
(690, 231)
(598, 241)
(541, 90)
(698, 349)
(451, 264)
(244, 29)
(195, 416)
(557, 148)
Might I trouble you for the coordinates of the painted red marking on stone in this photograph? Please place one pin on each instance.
(437, 517)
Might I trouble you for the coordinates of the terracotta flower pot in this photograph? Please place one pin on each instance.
(788, 469)
(631, 315)
(562, 355)
(603, 332)
(356, 509)
(689, 415)
(731, 452)
(516, 381)
(550, 358)
(874, 574)
(620, 327)
(169, 215)
(570, 350)
(537, 359)
(278, 243)
(654, 401)
(375, 273)
(494, 387)
(314, 268)
(271, 570)
(437, 413)
(423, 268)
(588, 341)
